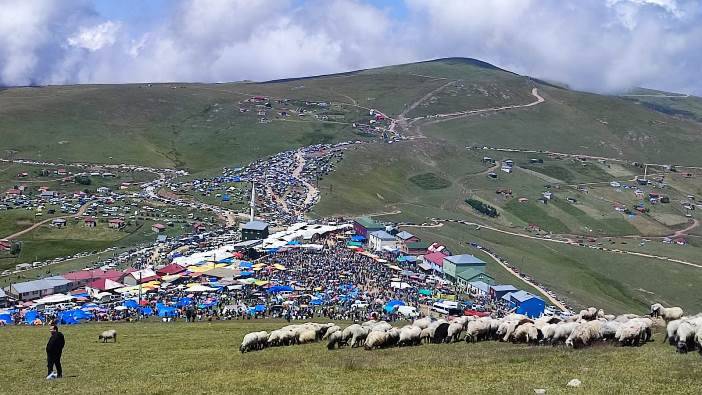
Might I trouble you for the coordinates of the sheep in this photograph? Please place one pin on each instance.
(109, 334)
(632, 332)
(588, 314)
(526, 333)
(249, 342)
(334, 339)
(454, 331)
(667, 313)
(440, 333)
(478, 330)
(348, 332)
(584, 334)
(423, 323)
(376, 339)
(686, 336)
(307, 336)
(330, 330)
(511, 326)
(671, 330)
(609, 330)
(410, 335)
(393, 337)
(625, 317)
(359, 337)
(698, 339)
(425, 335)
(261, 339)
(562, 331)
(381, 326)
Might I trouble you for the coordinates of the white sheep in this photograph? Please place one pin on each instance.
(249, 342)
(584, 334)
(686, 336)
(609, 330)
(671, 330)
(625, 317)
(631, 333)
(478, 330)
(109, 334)
(667, 313)
(334, 339)
(330, 330)
(527, 333)
(588, 314)
(359, 337)
(425, 335)
(698, 339)
(454, 331)
(562, 331)
(307, 336)
(410, 335)
(376, 339)
(423, 323)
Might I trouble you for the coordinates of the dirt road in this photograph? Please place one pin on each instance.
(80, 212)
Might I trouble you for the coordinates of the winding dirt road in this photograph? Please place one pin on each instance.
(80, 212)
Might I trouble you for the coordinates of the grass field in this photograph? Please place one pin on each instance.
(157, 358)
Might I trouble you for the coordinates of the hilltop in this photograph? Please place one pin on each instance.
(426, 130)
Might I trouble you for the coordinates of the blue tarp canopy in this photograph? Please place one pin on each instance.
(182, 302)
(165, 311)
(245, 265)
(72, 317)
(280, 288)
(391, 305)
(146, 311)
(316, 302)
(7, 318)
(225, 198)
(260, 308)
(81, 295)
(357, 238)
(130, 304)
(245, 274)
(32, 315)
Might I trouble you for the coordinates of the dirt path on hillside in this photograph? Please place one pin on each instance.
(543, 291)
(312, 191)
(80, 212)
(572, 243)
(684, 232)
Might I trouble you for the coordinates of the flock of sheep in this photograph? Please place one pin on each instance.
(584, 329)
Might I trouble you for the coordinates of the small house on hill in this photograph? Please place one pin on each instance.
(90, 222)
(525, 303)
(158, 228)
(116, 223)
(59, 222)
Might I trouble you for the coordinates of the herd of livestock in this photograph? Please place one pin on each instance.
(588, 327)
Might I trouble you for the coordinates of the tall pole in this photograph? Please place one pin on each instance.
(252, 205)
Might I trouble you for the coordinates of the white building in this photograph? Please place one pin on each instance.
(381, 239)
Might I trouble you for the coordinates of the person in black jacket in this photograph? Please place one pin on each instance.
(54, 348)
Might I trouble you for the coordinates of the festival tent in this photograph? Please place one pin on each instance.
(7, 318)
(182, 302)
(32, 315)
(146, 311)
(55, 298)
(245, 265)
(248, 281)
(354, 244)
(425, 292)
(357, 238)
(393, 304)
(280, 288)
(130, 304)
(201, 288)
(165, 311)
(399, 285)
(279, 266)
(261, 282)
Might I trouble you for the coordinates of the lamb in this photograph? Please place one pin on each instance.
(334, 339)
(109, 334)
(584, 334)
(330, 330)
(425, 335)
(410, 335)
(667, 313)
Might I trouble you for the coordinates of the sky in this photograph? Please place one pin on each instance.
(595, 45)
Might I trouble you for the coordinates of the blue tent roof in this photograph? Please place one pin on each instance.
(184, 302)
(146, 311)
(280, 288)
(7, 318)
(130, 304)
(391, 305)
(245, 274)
(32, 315)
(245, 265)
(260, 308)
(357, 238)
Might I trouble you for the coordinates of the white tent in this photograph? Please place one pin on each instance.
(200, 288)
(399, 284)
(56, 298)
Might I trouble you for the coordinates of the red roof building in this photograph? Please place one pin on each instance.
(170, 269)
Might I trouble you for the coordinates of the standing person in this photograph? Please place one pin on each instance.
(54, 348)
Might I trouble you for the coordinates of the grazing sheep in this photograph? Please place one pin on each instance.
(410, 335)
(562, 331)
(334, 339)
(609, 330)
(376, 339)
(347, 333)
(698, 340)
(249, 342)
(454, 331)
(588, 314)
(686, 337)
(330, 330)
(307, 336)
(440, 333)
(526, 333)
(381, 326)
(109, 334)
(423, 323)
(584, 334)
(359, 337)
(393, 337)
(631, 333)
(667, 313)
(478, 330)
(625, 317)
(671, 330)
(425, 335)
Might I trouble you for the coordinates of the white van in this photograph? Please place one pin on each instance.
(408, 311)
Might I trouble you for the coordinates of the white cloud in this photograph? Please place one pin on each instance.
(600, 45)
(95, 37)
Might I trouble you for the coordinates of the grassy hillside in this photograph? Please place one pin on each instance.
(209, 362)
